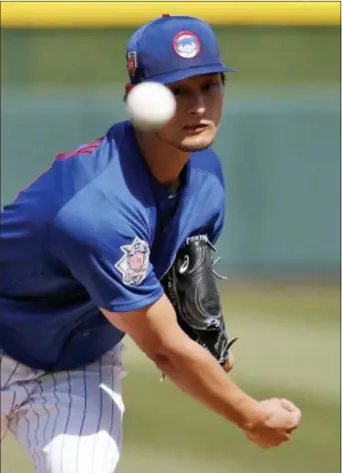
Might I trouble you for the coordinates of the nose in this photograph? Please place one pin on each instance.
(197, 105)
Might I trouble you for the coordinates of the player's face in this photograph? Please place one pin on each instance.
(198, 114)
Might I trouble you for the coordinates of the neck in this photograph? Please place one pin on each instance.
(164, 161)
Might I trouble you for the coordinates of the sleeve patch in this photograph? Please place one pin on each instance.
(134, 263)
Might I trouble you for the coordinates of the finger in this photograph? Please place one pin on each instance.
(261, 442)
(228, 365)
(264, 446)
(270, 444)
(292, 425)
(292, 428)
(288, 405)
(257, 441)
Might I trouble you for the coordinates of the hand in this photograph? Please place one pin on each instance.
(280, 418)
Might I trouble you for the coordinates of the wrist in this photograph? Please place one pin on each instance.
(249, 414)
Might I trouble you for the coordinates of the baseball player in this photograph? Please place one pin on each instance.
(116, 238)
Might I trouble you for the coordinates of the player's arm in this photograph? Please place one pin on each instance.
(113, 266)
(187, 364)
(195, 371)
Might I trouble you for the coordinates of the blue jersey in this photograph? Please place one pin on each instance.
(95, 230)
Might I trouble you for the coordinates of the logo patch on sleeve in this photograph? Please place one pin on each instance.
(134, 263)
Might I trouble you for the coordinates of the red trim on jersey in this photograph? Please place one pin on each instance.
(86, 149)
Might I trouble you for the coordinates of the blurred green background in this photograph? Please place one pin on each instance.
(280, 148)
(279, 142)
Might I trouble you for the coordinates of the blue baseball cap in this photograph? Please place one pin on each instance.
(172, 48)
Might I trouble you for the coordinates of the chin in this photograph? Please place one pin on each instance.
(196, 143)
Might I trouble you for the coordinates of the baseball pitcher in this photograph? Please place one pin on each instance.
(117, 239)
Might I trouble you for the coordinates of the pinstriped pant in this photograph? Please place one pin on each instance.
(67, 421)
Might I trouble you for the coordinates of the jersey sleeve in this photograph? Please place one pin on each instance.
(109, 254)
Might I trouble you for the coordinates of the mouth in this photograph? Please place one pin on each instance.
(194, 129)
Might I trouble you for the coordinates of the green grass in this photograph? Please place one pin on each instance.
(289, 346)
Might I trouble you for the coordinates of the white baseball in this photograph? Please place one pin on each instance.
(150, 105)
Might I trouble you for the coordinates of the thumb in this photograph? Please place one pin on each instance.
(295, 413)
(298, 415)
(289, 406)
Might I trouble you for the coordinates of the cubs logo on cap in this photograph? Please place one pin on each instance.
(186, 44)
(132, 62)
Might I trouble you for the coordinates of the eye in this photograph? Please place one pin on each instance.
(211, 86)
(179, 90)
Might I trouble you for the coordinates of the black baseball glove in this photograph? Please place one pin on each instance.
(190, 285)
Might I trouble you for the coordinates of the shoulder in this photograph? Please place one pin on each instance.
(114, 198)
(86, 162)
(38, 203)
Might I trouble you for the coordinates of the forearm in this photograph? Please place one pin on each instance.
(197, 373)
(186, 363)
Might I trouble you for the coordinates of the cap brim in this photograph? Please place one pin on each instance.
(181, 74)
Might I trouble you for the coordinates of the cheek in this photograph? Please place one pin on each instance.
(176, 124)
(181, 109)
(218, 115)
(215, 116)
(171, 131)
(216, 110)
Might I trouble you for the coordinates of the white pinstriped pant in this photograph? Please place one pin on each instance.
(68, 421)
